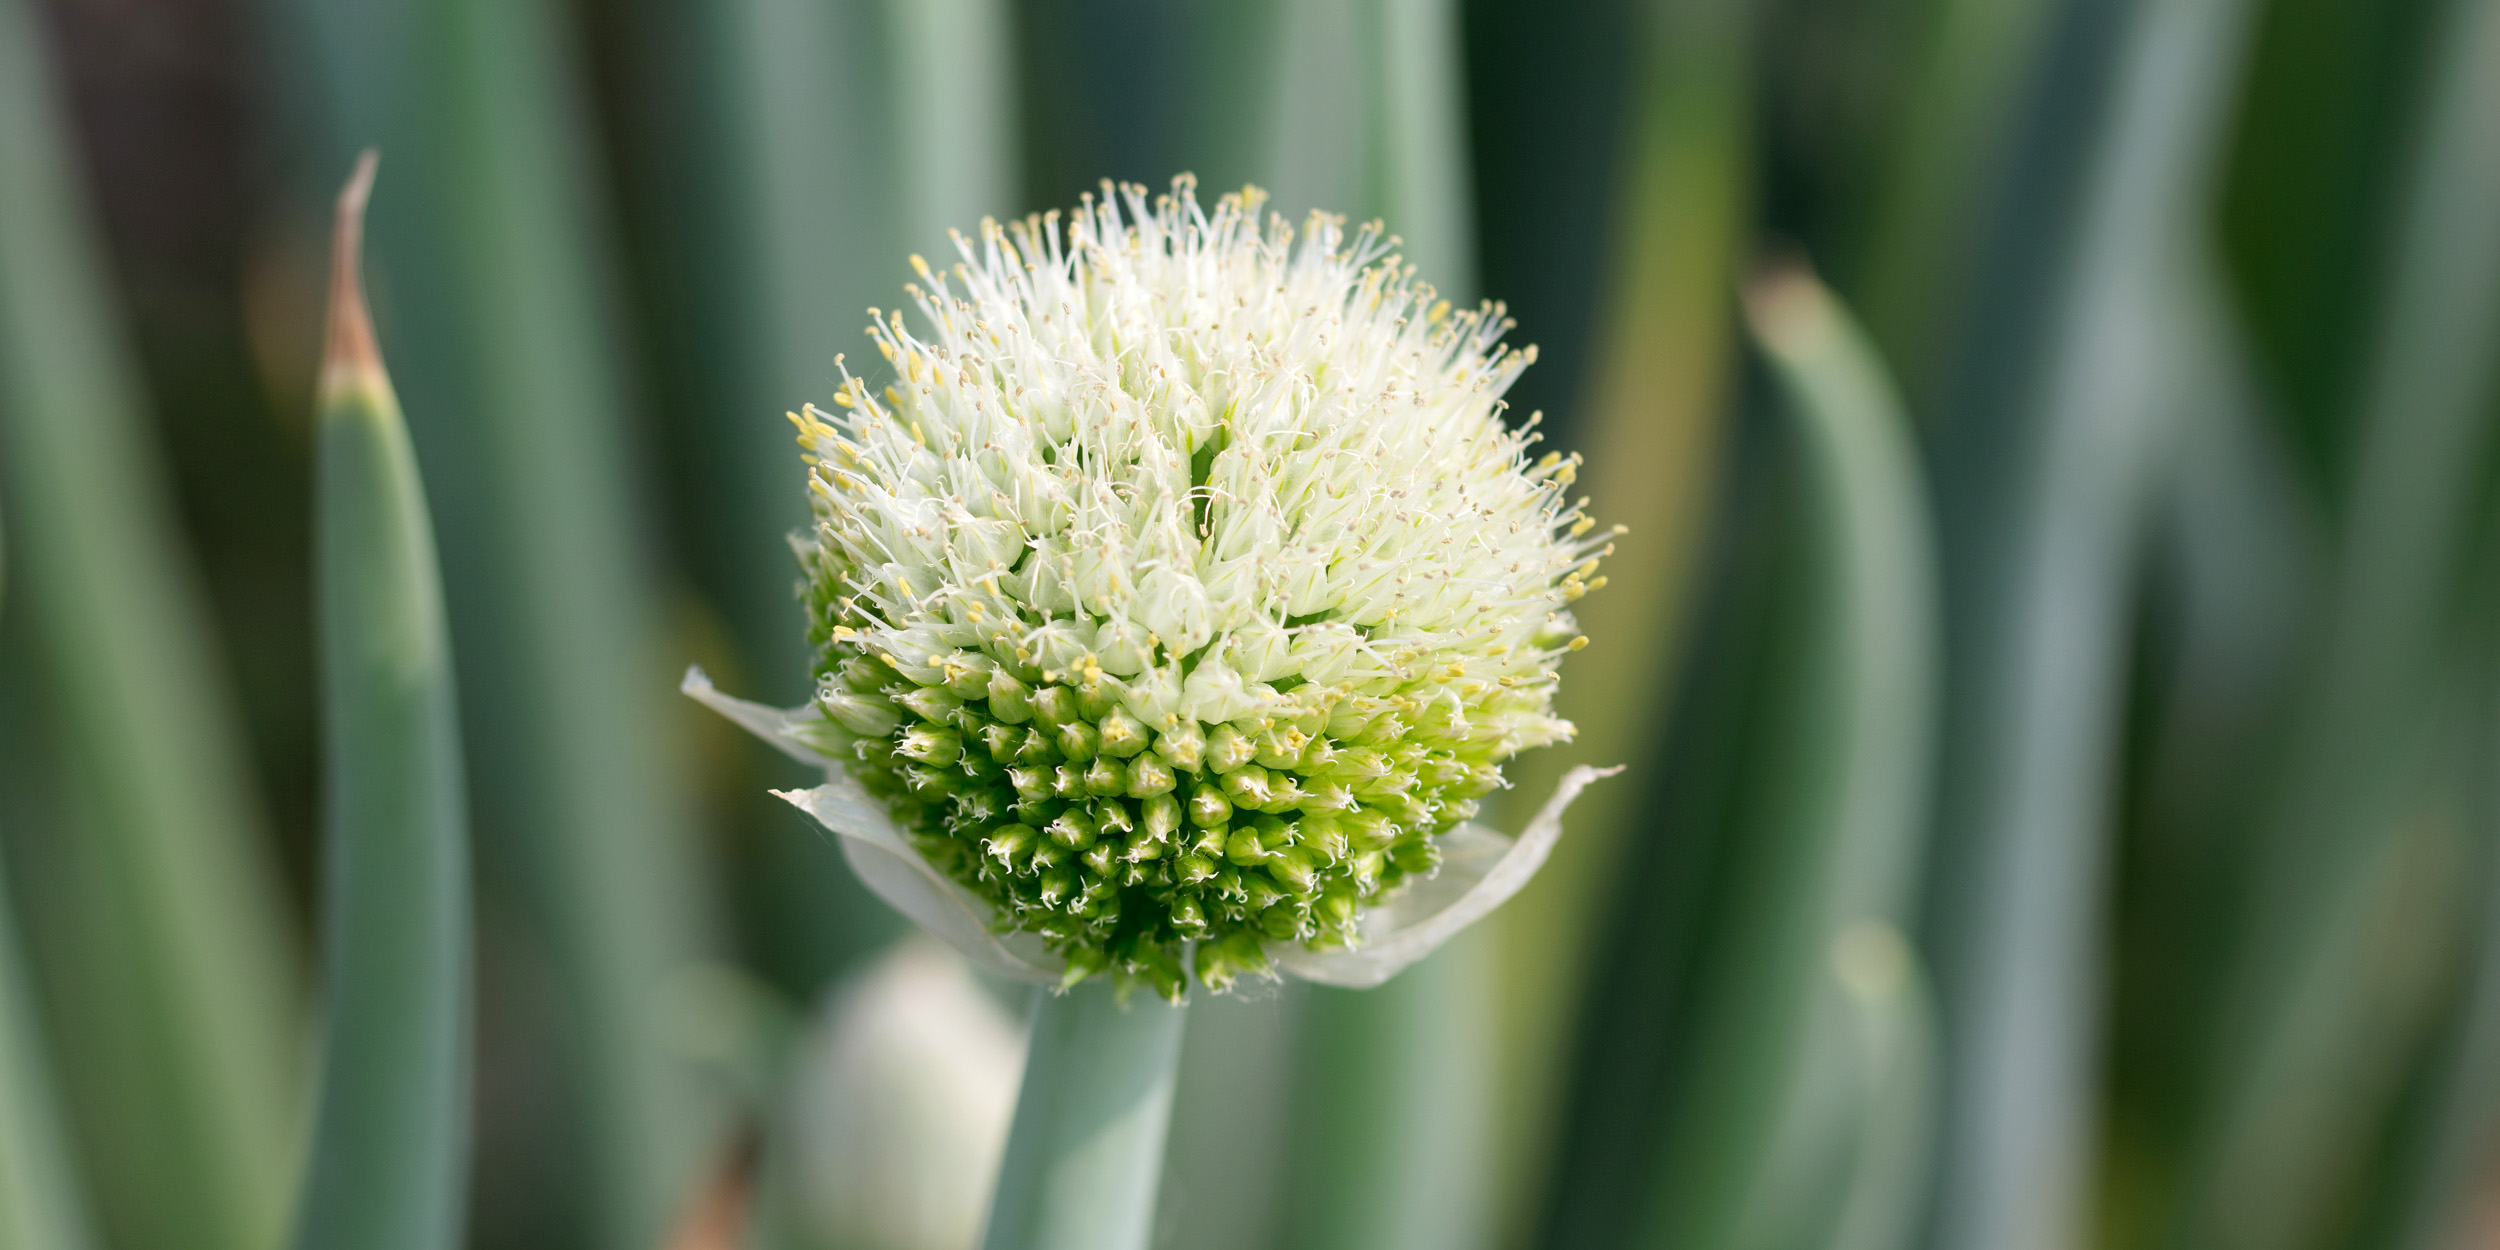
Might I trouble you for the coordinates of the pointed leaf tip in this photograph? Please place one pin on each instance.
(350, 358)
(1786, 304)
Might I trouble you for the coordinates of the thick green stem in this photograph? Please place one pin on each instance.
(1086, 1150)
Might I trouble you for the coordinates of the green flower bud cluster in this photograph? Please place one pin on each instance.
(1119, 843)
(1186, 581)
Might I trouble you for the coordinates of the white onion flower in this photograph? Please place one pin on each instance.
(1180, 598)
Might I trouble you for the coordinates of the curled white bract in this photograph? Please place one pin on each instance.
(1478, 873)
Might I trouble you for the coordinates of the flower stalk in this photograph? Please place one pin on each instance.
(1086, 1149)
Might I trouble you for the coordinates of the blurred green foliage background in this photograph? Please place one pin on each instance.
(2057, 644)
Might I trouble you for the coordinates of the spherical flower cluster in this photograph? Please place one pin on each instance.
(1185, 587)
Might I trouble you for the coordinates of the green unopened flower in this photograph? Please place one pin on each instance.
(1180, 599)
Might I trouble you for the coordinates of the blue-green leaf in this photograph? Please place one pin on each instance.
(2055, 410)
(2354, 901)
(153, 914)
(491, 264)
(389, 1157)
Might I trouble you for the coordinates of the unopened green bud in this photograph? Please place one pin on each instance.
(1246, 786)
(1328, 796)
(1121, 734)
(1009, 842)
(1148, 776)
(1325, 833)
(931, 702)
(1415, 856)
(1111, 817)
(1058, 886)
(1035, 748)
(1293, 868)
(1441, 769)
(1182, 746)
(1281, 747)
(1236, 955)
(1370, 831)
(870, 716)
(1261, 891)
(1096, 696)
(1054, 705)
(926, 783)
(1227, 749)
(1319, 755)
(1010, 700)
(1408, 809)
(1339, 907)
(1079, 969)
(976, 810)
(1160, 969)
(1100, 857)
(1244, 848)
(1188, 919)
(1078, 740)
(1073, 829)
(1105, 776)
(1361, 764)
(967, 673)
(1162, 813)
(1031, 784)
(1208, 807)
(934, 747)
(1284, 793)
